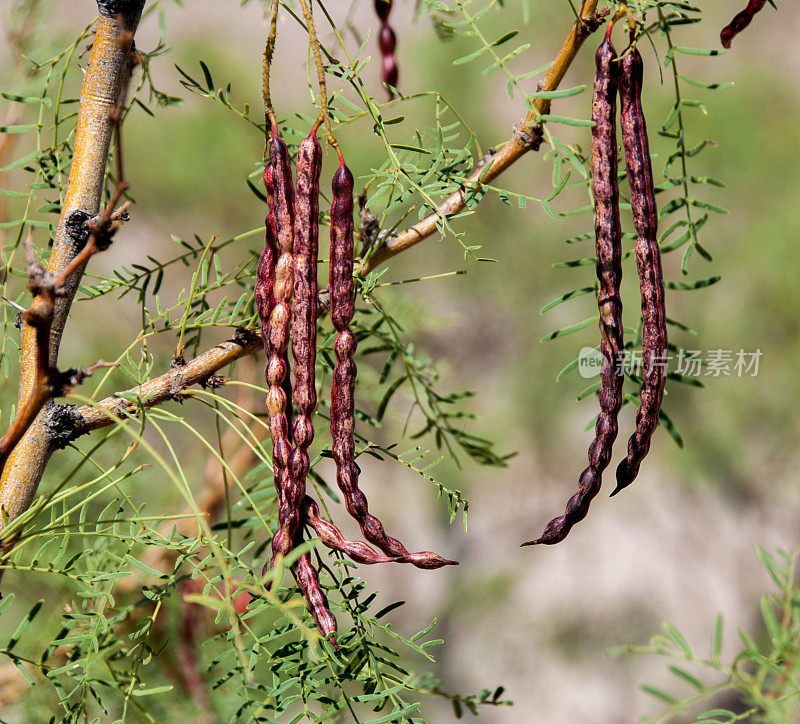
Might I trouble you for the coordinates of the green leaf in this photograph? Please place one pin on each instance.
(699, 284)
(388, 396)
(565, 298)
(659, 694)
(569, 330)
(678, 638)
(716, 642)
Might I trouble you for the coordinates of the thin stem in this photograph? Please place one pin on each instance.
(269, 51)
(323, 89)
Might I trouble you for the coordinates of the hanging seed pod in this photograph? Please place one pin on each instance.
(344, 378)
(648, 264)
(304, 337)
(387, 41)
(332, 537)
(265, 272)
(317, 601)
(608, 235)
(280, 321)
(740, 22)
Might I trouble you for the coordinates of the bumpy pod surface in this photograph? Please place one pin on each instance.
(344, 379)
(280, 321)
(332, 537)
(308, 583)
(648, 264)
(387, 42)
(740, 22)
(608, 235)
(304, 338)
(265, 272)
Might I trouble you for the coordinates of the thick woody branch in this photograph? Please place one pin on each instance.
(527, 136)
(170, 386)
(100, 93)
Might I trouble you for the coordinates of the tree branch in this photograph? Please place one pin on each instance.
(100, 92)
(169, 386)
(527, 136)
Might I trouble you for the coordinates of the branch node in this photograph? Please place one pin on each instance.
(212, 382)
(77, 229)
(531, 137)
(63, 425)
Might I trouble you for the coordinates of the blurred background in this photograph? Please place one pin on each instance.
(678, 545)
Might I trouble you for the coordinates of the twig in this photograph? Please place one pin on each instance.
(527, 136)
(269, 51)
(323, 88)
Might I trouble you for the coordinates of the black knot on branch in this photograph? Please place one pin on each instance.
(130, 10)
(77, 229)
(64, 424)
(594, 21)
(212, 382)
(244, 337)
(531, 136)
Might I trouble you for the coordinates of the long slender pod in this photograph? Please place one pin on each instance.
(344, 378)
(279, 327)
(608, 237)
(648, 264)
(304, 336)
(265, 271)
(740, 21)
(387, 42)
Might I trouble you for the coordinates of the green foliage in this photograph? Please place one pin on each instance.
(762, 678)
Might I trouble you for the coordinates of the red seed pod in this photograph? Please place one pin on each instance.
(281, 313)
(387, 42)
(265, 272)
(304, 338)
(344, 378)
(648, 263)
(608, 234)
(740, 22)
(308, 583)
(332, 537)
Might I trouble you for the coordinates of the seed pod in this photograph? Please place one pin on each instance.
(740, 22)
(265, 272)
(648, 264)
(344, 378)
(280, 319)
(304, 338)
(387, 41)
(308, 583)
(608, 235)
(332, 537)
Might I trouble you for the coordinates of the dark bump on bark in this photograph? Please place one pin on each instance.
(244, 337)
(130, 10)
(77, 229)
(64, 425)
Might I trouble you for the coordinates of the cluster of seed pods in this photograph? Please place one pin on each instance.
(287, 270)
(608, 246)
(740, 21)
(625, 77)
(387, 41)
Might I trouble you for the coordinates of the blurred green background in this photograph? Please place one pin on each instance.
(677, 546)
